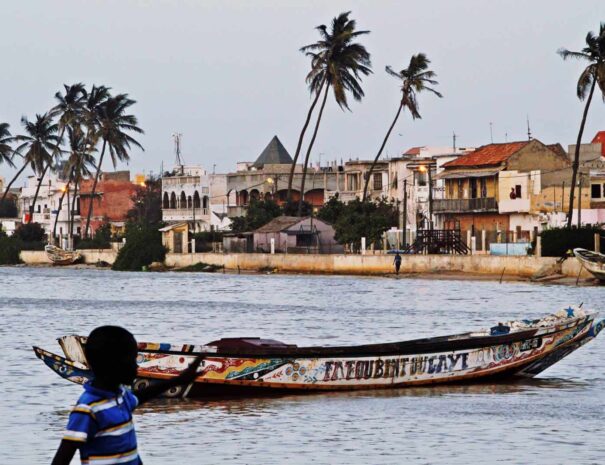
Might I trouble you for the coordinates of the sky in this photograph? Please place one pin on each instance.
(229, 76)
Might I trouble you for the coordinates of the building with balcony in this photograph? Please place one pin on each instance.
(355, 173)
(192, 195)
(504, 187)
(267, 178)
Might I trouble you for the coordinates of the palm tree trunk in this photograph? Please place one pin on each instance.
(61, 203)
(94, 187)
(384, 142)
(33, 205)
(304, 174)
(300, 140)
(576, 159)
(73, 207)
(12, 181)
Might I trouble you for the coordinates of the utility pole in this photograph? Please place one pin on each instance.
(405, 212)
(454, 141)
(430, 198)
(491, 134)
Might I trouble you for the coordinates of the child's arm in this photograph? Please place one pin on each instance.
(159, 387)
(65, 452)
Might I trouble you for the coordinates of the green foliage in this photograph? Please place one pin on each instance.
(331, 210)
(10, 248)
(101, 240)
(143, 246)
(557, 242)
(364, 219)
(201, 266)
(259, 213)
(8, 209)
(32, 232)
(291, 208)
(147, 201)
(205, 239)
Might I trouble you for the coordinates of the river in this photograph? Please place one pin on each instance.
(555, 419)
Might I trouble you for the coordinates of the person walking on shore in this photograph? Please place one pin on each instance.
(397, 262)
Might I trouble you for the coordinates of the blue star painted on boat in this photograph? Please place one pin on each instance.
(569, 312)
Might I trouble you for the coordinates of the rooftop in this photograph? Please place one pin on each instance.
(279, 224)
(274, 154)
(488, 155)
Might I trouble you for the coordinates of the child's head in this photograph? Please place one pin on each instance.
(111, 353)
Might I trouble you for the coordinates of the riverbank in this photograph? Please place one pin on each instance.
(419, 265)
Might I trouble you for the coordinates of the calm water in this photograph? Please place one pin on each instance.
(555, 419)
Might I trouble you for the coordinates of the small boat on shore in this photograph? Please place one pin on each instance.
(592, 261)
(241, 366)
(59, 256)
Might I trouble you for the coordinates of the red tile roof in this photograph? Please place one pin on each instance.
(488, 155)
(413, 151)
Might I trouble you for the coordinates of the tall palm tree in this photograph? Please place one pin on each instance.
(6, 151)
(77, 166)
(414, 79)
(38, 145)
(337, 63)
(593, 74)
(113, 125)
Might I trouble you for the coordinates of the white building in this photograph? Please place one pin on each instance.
(46, 209)
(190, 194)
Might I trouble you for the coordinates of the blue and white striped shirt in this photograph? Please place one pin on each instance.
(102, 422)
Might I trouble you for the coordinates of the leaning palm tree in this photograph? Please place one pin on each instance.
(414, 79)
(38, 145)
(337, 63)
(593, 74)
(77, 166)
(6, 151)
(113, 125)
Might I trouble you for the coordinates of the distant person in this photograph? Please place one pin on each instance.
(100, 425)
(513, 194)
(397, 262)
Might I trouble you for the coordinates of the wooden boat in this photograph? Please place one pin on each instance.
(59, 256)
(592, 261)
(241, 365)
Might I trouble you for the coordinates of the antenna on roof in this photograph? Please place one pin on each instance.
(454, 135)
(528, 129)
(177, 149)
(506, 137)
(491, 134)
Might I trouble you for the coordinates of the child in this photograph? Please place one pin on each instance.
(100, 424)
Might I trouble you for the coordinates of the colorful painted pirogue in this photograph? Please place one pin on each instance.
(240, 365)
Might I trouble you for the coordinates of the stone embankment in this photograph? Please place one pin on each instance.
(522, 267)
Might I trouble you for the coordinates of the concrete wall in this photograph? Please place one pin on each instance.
(376, 264)
(38, 257)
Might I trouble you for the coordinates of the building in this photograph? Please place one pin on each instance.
(355, 173)
(46, 210)
(267, 178)
(191, 195)
(292, 234)
(502, 188)
(175, 237)
(592, 176)
(112, 201)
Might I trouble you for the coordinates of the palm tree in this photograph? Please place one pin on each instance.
(6, 151)
(112, 127)
(337, 63)
(77, 166)
(39, 144)
(414, 79)
(593, 74)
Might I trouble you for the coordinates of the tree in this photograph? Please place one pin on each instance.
(78, 165)
(414, 79)
(331, 210)
(111, 124)
(259, 213)
(593, 74)
(147, 203)
(38, 144)
(364, 219)
(6, 151)
(337, 63)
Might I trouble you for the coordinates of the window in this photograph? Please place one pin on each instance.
(450, 189)
(39, 209)
(473, 188)
(595, 191)
(460, 189)
(377, 181)
(304, 240)
(421, 178)
(483, 184)
(518, 191)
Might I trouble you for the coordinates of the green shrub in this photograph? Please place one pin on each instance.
(143, 247)
(100, 241)
(32, 232)
(557, 241)
(10, 248)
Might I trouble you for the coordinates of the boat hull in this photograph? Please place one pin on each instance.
(594, 262)
(238, 375)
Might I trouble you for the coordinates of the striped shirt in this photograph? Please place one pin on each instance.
(102, 422)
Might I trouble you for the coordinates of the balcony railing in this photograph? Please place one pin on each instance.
(486, 204)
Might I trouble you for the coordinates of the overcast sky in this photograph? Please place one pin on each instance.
(229, 76)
